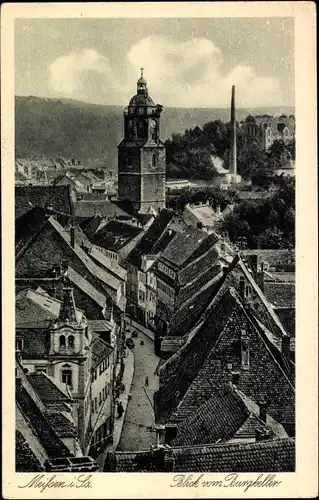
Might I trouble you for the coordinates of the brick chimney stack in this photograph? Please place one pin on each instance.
(233, 149)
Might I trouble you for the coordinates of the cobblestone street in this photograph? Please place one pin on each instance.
(139, 416)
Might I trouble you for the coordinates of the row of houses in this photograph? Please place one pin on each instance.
(70, 307)
(226, 398)
(84, 182)
(223, 328)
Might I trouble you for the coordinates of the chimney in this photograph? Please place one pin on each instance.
(162, 458)
(233, 152)
(218, 210)
(170, 433)
(253, 259)
(242, 287)
(263, 434)
(285, 347)
(72, 235)
(263, 411)
(235, 377)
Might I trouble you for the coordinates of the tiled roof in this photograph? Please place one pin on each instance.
(172, 344)
(204, 213)
(146, 244)
(41, 425)
(77, 280)
(26, 461)
(35, 307)
(183, 246)
(36, 341)
(98, 325)
(188, 361)
(280, 294)
(100, 351)
(57, 197)
(93, 268)
(276, 258)
(109, 264)
(217, 419)
(115, 235)
(47, 388)
(62, 425)
(90, 225)
(28, 226)
(90, 208)
(201, 364)
(227, 414)
(263, 456)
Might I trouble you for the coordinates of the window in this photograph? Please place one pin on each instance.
(154, 160)
(95, 404)
(141, 295)
(100, 399)
(62, 342)
(71, 342)
(129, 160)
(142, 278)
(166, 270)
(244, 350)
(92, 406)
(67, 377)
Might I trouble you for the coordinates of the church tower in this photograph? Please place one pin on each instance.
(141, 154)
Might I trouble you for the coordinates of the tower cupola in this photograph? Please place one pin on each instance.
(142, 84)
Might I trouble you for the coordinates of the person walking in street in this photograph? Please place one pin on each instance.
(120, 409)
(146, 381)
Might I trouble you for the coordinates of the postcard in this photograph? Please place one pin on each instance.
(160, 277)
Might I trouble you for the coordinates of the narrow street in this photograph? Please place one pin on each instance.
(139, 416)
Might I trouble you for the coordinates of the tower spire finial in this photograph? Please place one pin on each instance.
(142, 70)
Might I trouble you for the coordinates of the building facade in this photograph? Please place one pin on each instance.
(141, 154)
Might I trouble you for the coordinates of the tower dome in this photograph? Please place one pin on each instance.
(141, 98)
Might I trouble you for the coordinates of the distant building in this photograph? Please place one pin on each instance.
(202, 216)
(265, 129)
(141, 154)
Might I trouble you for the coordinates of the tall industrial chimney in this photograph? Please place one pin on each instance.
(233, 152)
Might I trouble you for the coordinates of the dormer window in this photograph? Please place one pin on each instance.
(66, 376)
(245, 350)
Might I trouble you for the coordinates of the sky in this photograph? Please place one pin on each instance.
(187, 62)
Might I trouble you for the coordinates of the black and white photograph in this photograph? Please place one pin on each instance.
(155, 176)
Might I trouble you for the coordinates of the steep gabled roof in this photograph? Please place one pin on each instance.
(115, 235)
(196, 368)
(183, 246)
(227, 414)
(57, 197)
(148, 241)
(100, 350)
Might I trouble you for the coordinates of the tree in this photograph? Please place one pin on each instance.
(271, 238)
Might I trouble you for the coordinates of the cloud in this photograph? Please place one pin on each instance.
(82, 74)
(185, 74)
(191, 74)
